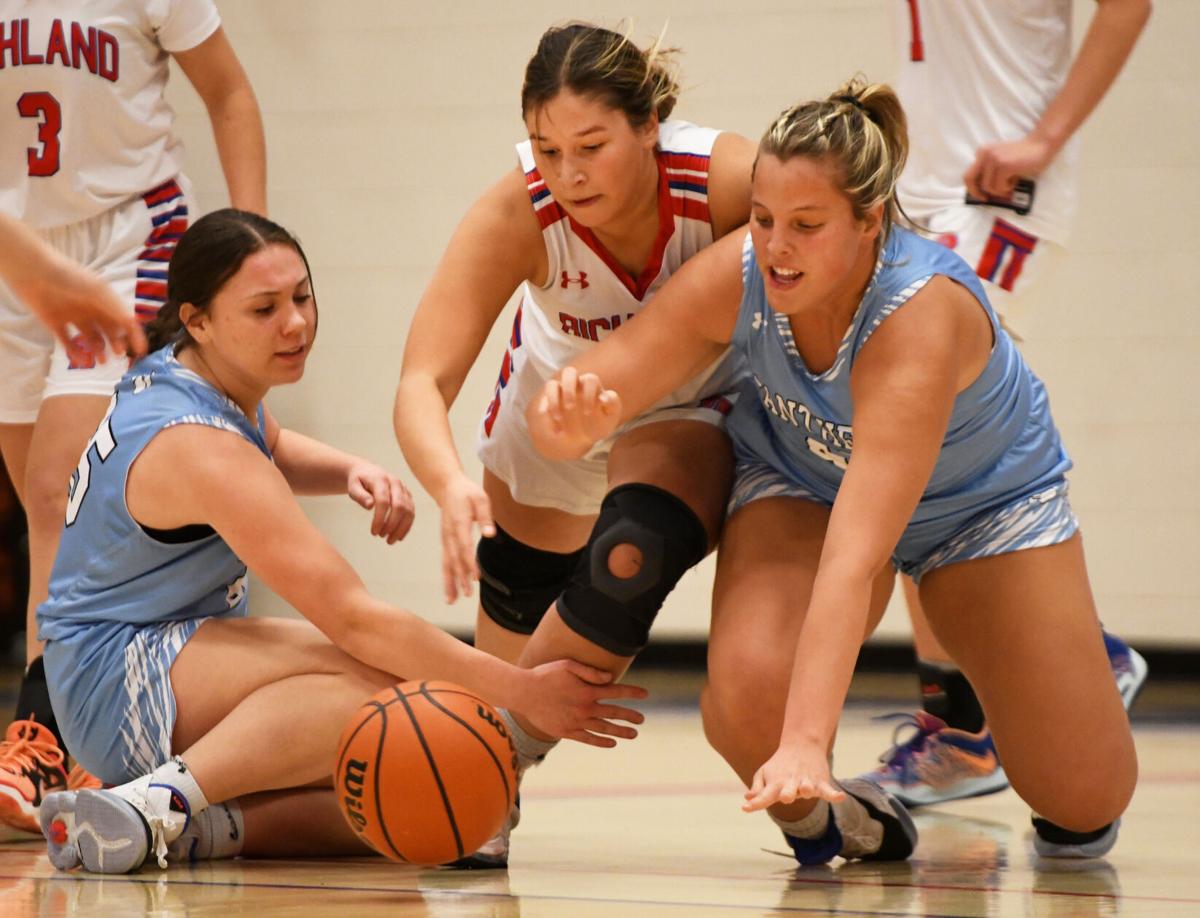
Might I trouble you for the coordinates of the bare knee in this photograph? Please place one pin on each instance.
(1081, 805)
(742, 703)
(46, 497)
(320, 655)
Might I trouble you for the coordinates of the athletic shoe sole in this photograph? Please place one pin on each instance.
(16, 811)
(918, 795)
(1098, 848)
(57, 818)
(1131, 685)
(112, 836)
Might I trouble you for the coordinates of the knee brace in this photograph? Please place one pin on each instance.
(616, 612)
(517, 582)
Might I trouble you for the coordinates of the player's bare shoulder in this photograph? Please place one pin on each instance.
(505, 213)
(729, 171)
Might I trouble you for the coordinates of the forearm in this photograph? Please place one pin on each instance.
(826, 651)
(407, 646)
(421, 421)
(1110, 38)
(310, 466)
(238, 130)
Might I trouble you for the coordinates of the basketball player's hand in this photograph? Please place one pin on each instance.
(82, 311)
(569, 700)
(373, 487)
(998, 166)
(791, 774)
(465, 508)
(572, 413)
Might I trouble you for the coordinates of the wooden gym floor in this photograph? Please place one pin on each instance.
(654, 828)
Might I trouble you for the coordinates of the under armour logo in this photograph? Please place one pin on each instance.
(581, 280)
(758, 321)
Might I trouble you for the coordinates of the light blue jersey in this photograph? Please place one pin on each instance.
(123, 600)
(793, 429)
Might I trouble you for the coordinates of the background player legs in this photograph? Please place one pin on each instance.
(765, 571)
(945, 692)
(64, 425)
(14, 446)
(662, 454)
(1072, 760)
(544, 528)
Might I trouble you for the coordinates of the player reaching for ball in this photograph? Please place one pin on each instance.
(611, 195)
(888, 421)
(218, 729)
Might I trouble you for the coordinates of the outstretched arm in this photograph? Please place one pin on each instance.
(213, 68)
(64, 295)
(1110, 38)
(245, 498)
(904, 383)
(684, 329)
(497, 246)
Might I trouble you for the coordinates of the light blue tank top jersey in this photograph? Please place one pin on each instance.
(1000, 445)
(108, 568)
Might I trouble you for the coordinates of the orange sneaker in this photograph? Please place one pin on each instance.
(31, 766)
(79, 778)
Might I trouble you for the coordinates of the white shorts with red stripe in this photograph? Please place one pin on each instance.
(578, 485)
(1007, 258)
(128, 246)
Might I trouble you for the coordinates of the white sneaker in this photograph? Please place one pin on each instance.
(115, 831)
(1050, 840)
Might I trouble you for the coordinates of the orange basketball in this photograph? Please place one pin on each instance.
(425, 772)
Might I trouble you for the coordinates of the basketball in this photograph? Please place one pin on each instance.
(425, 772)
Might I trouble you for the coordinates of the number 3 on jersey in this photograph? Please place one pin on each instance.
(42, 105)
(104, 443)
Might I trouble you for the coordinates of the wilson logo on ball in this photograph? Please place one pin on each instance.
(353, 781)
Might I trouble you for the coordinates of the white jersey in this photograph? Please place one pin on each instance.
(83, 122)
(587, 293)
(974, 72)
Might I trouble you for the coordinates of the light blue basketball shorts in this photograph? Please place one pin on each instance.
(110, 686)
(1027, 521)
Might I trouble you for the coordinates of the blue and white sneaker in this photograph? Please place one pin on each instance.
(869, 825)
(935, 763)
(1050, 840)
(1128, 666)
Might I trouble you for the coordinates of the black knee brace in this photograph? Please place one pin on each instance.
(616, 612)
(517, 583)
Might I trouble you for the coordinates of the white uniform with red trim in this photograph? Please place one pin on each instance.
(974, 72)
(587, 294)
(88, 156)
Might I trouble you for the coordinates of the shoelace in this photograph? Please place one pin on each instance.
(158, 823)
(23, 746)
(900, 756)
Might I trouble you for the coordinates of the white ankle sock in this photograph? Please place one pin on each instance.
(175, 773)
(811, 826)
(217, 833)
(530, 749)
